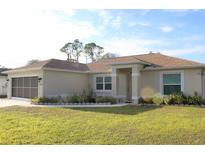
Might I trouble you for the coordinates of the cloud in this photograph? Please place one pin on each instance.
(105, 18)
(167, 29)
(132, 24)
(29, 33)
(130, 46)
(144, 11)
(144, 24)
(177, 10)
(133, 46)
(184, 51)
(116, 22)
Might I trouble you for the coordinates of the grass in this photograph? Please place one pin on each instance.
(119, 125)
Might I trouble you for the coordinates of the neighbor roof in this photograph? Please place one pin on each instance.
(2, 70)
(156, 60)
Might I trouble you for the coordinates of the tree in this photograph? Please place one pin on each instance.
(67, 49)
(73, 49)
(32, 61)
(93, 51)
(109, 55)
(77, 49)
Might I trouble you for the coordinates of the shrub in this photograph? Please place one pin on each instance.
(39, 100)
(83, 97)
(167, 100)
(195, 100)
(177, 98)
(148, 100)
(106, 99)
(66, 99)
(53, 100)
(91, 97)
(74, 99)
(141, 100)
(157, 99)
(3, 96)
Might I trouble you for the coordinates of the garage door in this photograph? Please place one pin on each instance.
(25, 87)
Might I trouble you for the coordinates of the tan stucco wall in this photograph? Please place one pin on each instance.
(122, 87)
(38, 73)
(68, 83)
(3, 83)
(192, 81)
(150, 82)
(64, 83)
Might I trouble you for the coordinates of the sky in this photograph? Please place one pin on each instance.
(29, 31)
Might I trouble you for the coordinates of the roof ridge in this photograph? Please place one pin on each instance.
(66, 61)
(146, 61)
(129, 56)
(48, 61)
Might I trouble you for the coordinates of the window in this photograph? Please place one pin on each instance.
(99, 83)
(104, 83)
(172, 83)
(108, 83)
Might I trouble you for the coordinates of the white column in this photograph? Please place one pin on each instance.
(114, 83)
(40, 84)
(9, 88)
(135, 84)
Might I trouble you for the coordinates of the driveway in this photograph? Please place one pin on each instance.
(11, 102)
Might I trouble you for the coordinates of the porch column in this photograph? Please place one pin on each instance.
(135, 84)
(9, 87)
(114, 82)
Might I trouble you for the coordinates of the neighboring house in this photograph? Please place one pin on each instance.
(3, 81)
(126, 78)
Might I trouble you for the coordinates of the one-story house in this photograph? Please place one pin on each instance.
(3, 81)
(126, 78)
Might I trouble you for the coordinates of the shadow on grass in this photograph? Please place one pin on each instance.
(125, 110)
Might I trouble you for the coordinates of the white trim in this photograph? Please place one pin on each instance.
(181, 72)
(63, 70)
(135, 97)
(172, 68)
(23, 70)
(121, 96)
(136, 74)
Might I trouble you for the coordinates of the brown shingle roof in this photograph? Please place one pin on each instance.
(57, 64)
(64, 64)
(104, 65)
(166, 61)
(157, 59)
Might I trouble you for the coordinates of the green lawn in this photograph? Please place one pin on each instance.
(119, 125)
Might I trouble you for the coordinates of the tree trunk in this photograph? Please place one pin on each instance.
(68, 57)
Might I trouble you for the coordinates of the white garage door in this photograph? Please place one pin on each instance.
(25, 87)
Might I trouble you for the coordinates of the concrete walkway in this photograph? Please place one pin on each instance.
(11, 102)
